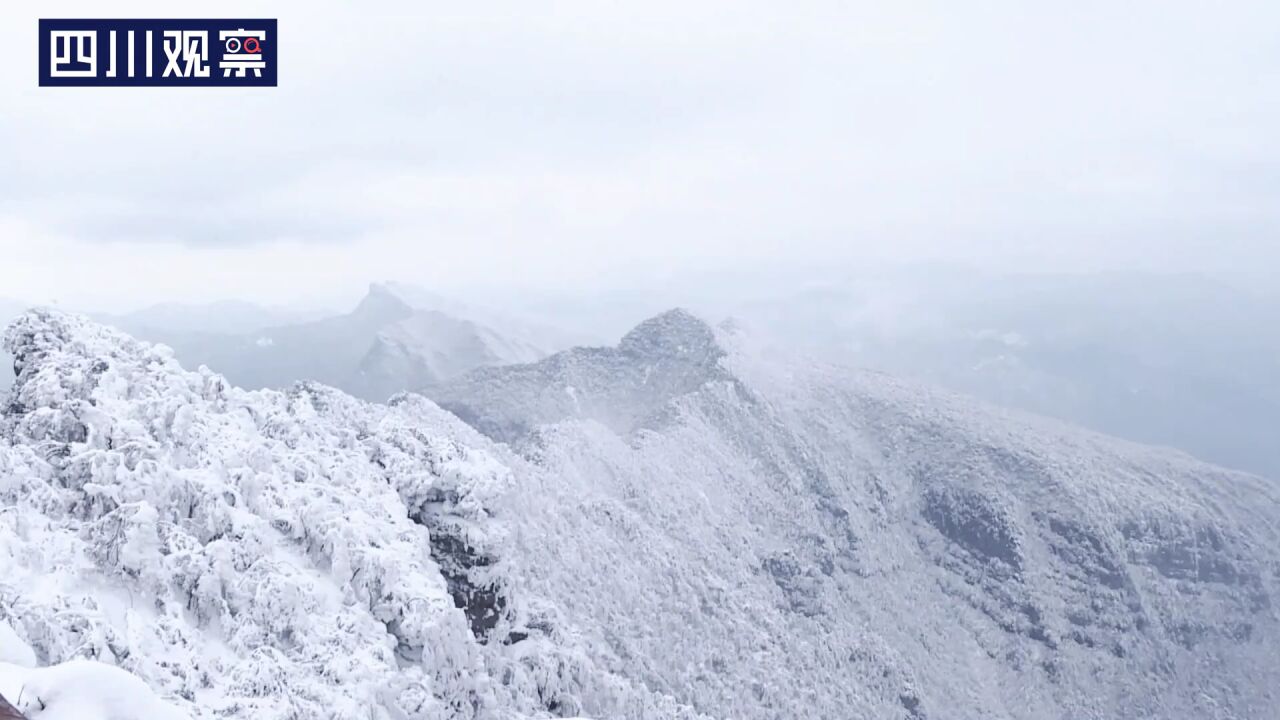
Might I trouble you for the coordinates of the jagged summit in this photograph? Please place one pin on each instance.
(421, 298)
(676, 333)
(965, 557)
(390, 342)
(383, 305)
(624, 388)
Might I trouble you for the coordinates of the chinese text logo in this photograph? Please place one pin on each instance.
(158, 52)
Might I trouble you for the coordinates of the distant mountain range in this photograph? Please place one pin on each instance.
(693, 524)
(396, 339)
(1184, 361)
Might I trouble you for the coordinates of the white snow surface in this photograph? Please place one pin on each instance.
(247, 554)
(83, 690)
(686, 526)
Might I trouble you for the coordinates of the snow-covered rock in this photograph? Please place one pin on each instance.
(686, 526)
(83, 690)
(250, 554)
(429, 346)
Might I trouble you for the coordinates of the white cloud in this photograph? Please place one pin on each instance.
(555, 143)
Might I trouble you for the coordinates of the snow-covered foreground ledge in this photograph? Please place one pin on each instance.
(249, 554)
(73, 690)
(82, 690)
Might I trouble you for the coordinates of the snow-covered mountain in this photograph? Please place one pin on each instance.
(805, 541)
(1188, 361)
(688, 525)
(530, 328)
(387, 344)
(185, 324)
(264, 554)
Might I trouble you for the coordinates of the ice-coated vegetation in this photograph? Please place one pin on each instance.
(255, 554)
(686, 526)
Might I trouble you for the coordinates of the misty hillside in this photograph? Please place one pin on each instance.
(977, 563)
(1177, 360)
(394, 340)
(687, 525)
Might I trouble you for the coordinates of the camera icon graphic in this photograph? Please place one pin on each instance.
(243, 52)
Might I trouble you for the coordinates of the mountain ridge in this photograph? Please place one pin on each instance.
(711, 530)
(1061, 555)
(384, 345)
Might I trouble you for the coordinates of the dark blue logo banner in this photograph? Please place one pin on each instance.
(173, 53)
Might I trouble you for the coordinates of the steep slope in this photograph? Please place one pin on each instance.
(262, 554)
(685, 526)
(327, 350)
(1179, 360)
(666, 357)
(529, 328)
(791, 540)
(429, 347)
(384, 346)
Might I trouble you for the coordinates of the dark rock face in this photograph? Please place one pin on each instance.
(1198, 554)
(468, 568)
(798, 582)
(9, 712)
(460, 563)
(974, 523)
(1083, 549)
(911, 704)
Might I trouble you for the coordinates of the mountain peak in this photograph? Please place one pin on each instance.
(382, 302)
(676, 333)
(949, 559)
(624, 388)
(420, 298)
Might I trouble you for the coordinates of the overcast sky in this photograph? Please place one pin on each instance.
(465, 146)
